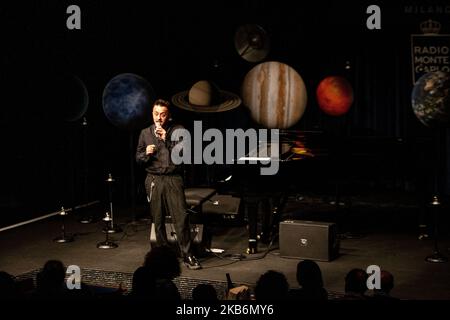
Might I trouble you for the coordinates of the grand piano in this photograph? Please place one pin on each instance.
(300, 162)
(327, 163)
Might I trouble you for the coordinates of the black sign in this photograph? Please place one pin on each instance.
(429, 53)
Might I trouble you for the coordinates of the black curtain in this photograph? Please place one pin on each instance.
(174, 44)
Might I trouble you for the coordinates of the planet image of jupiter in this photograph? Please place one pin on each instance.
(275, 94)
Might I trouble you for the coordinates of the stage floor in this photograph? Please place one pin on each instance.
(396, 249)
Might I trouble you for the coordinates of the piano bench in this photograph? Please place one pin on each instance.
(195, 197)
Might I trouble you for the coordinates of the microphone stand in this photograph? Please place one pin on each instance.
(64, 238)
(107, 244)
(112, 228)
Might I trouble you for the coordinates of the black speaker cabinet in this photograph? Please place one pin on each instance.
(308, 240)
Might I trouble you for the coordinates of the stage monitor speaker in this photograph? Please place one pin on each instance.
(221, 210)
(308, 240)
(222, 205)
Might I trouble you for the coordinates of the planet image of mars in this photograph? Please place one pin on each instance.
(127, 101)
(334, 95)
(275, 95)
(431, 98)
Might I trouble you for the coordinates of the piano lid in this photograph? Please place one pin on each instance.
(292, 145)
(268, 151)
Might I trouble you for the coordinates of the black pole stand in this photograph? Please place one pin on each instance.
(112, 228)
(132, 179)
(64, 237)
(85, 218)
(437, 256)
(107, 244)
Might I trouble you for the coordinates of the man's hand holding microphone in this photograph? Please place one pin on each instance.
(159, 131)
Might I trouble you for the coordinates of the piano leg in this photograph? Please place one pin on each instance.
(272, 209)
(271, 212)
(266, 220)
(252, 204)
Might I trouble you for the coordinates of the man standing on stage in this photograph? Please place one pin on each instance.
(164, 181)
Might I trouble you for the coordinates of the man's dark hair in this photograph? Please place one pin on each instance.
(162, 102)
(272, 285)
(309, 274)
(355, 281)
(204, 292)
(387, 281)
(144, 283)
(163, 263)
(8, 287)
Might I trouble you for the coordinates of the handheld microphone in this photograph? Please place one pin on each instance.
(157, 126)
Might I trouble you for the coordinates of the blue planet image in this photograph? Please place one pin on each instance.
(431, 98)
(127, 101)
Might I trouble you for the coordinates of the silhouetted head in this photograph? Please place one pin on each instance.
(143, 282)
(7, 285)
(387, 281)
(163, 263)
(204, 292)
(309, 274)
(52, 275)
(272, 285)
(356, 281)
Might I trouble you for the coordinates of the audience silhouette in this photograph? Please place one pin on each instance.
(164, 265)
(8, 288)
(154, 281)
(204, 292)
(309, 277)
(50, 281)
(355, 285)
(386, 284)
(272, 285)
(143, 284)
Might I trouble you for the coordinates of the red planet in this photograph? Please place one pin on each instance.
(334, 95)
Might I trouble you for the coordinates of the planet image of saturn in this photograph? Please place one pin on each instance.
(275, 94)
(205, 96)
(334, 95)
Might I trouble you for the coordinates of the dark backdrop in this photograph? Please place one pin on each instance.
(173, 44)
